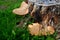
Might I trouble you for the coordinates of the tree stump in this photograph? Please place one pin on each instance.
(47, 16)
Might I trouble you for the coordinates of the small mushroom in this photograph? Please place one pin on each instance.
(50, 29)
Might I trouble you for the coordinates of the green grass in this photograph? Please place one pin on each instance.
(8, 20)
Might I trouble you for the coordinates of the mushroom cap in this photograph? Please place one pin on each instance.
(23, 10)
(50, 29)
(34, 28)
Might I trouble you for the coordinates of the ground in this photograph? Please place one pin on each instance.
(8, 23)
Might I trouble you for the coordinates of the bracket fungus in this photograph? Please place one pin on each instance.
(22, 10)
(37, 29)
